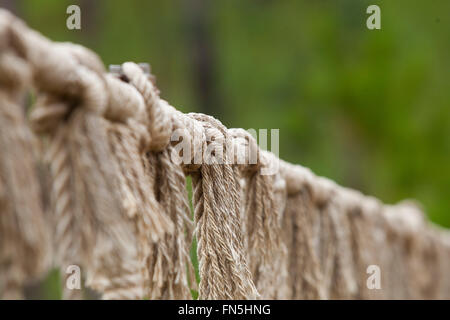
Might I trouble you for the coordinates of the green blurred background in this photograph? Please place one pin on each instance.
(367, 108)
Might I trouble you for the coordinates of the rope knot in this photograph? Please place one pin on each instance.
(15, 71)
(68, 76)
(159, 118)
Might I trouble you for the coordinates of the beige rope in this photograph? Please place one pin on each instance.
(261, 213)
(96, 167)
(170, 264)
(224, 272)
(24, 242)
(304, 265)
(168, 261)
(287, 235)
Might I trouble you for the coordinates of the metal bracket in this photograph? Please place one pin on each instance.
(116, 69)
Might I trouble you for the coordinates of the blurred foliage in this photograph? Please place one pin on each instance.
(367, 108)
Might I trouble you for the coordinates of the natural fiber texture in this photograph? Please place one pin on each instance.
(263, 227)
(119, 207)
(23, 233)
(261, 213)
(114, 205)
(24, 249)
(224, 271)
(111, 252)
(168, 260)
(304, 265)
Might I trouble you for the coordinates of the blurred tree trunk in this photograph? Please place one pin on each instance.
(89, 18)
(197, 15)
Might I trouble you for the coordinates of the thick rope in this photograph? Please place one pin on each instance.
(24, 239)
(224, 271)
(289, 235)
(168, 262)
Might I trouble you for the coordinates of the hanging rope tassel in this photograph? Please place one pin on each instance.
(305, 272)
(66, 219)
(168, 262)
(368, 241)
(108, 179)
(345, 284)
(405, 222)
(224, 271)
(261, 214)
(24, 250)
(24, 241)
(265, 248)
(112, 255)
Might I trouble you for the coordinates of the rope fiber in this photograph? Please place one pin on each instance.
(118, 205)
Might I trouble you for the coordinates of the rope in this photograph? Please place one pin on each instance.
(224, 271)
(24, 242)
(119, 206)
(169, 257)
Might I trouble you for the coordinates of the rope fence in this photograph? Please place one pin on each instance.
(89, 177)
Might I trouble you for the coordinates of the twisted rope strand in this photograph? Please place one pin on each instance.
(109, 156)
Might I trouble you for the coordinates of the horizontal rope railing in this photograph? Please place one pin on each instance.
(118, 205)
